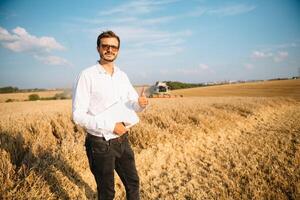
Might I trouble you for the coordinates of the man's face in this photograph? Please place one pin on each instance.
(109, 48)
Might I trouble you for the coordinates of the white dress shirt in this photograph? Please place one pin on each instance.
(94, 91)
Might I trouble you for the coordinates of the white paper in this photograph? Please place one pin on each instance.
(119, 112)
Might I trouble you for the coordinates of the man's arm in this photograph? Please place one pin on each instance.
(133, 97)
(80, 104)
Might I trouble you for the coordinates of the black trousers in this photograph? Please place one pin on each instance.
(105, 157)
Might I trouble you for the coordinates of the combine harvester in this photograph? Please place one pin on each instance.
(160, 90)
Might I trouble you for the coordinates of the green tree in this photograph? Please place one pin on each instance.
(33, 97)
(173, 85)
(9, 89)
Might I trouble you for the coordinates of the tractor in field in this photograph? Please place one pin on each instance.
(160, 90)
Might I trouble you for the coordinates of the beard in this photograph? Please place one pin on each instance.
(102, 56)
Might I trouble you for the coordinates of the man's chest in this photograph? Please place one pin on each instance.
(107, 88)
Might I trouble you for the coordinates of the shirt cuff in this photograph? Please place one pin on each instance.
(137, 107)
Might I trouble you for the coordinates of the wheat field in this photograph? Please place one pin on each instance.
(22, 96)
(185, 148)
(277, 88)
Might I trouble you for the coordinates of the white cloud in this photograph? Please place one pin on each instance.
(103, 20)
(261, 54)
(129, 21)
(147, 42)
(6, 36)
(286, 45)
(281, 56)
(137, 7)
(146, 53)
(197, 12)
(142, 7)
(53, 60)
(138, 34)
(142, 33)
(231, 10)
(159, 20)
(275, 52)
(280, 47)
(21, 41)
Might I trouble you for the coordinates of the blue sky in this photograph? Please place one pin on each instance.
(45, 44)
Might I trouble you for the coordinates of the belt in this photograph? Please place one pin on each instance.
(119, 139)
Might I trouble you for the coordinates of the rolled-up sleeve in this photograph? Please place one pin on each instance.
(80, 106)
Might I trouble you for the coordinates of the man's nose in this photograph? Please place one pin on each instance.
(109, 48)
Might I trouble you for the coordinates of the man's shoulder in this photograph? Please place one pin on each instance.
(121, 72)
(89, 70)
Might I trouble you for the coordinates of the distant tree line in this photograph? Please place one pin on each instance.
(58, 96)
(10, 89)
(174, 85)
(36, 97)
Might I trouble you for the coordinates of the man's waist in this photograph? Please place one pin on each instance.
(118, 139)
(97, 133)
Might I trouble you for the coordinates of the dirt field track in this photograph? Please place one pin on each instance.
(185, 148)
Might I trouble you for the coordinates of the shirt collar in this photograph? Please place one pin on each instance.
(101, 70)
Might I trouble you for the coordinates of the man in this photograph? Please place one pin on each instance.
(98, 89)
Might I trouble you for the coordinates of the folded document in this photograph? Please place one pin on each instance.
(119, 112)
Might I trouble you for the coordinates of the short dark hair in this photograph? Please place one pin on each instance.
(107, 34)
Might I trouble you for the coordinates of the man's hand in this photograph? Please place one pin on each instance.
(143, 102)
(120, 129)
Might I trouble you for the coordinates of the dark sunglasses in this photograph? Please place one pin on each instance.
(107, 46)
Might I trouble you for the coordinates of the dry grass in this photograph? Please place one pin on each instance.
(186, 148)
(24, 95)
(281, 88)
